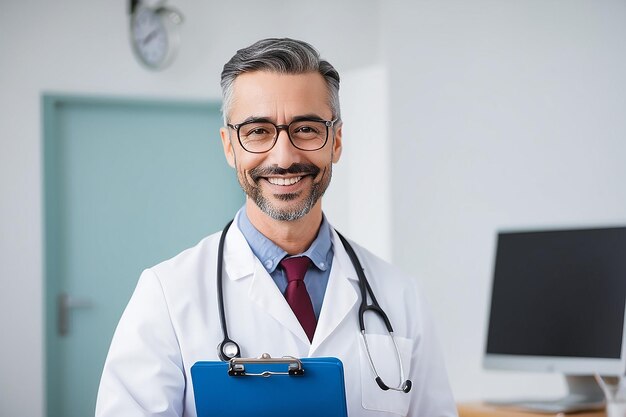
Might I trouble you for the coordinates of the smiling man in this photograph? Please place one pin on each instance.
(283, 149)
(290, 285)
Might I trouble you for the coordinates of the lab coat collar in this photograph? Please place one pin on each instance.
(342, 256)
(239, 260)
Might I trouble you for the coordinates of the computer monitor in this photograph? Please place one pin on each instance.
(558, 304)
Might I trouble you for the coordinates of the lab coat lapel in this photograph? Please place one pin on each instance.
(240, 262)
(265, 293)
(340, 296)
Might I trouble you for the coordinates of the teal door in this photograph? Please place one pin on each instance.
(127, 185)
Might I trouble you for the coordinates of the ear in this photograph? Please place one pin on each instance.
(229, 152)
(337, 146)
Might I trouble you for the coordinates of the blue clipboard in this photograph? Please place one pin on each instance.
(270, 387)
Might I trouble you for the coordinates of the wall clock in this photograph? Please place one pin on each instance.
(154, 34)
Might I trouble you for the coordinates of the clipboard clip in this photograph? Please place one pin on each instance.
(236, 366)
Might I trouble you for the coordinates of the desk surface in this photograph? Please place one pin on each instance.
(484, 410)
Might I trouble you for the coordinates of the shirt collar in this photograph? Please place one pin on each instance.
(320, 252)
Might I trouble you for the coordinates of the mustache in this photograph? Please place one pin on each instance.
(296, 168)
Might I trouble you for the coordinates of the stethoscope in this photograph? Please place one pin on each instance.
(228, 349)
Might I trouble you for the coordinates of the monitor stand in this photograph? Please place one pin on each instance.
(584, 393)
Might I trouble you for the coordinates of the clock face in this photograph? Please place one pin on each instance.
(150, 37)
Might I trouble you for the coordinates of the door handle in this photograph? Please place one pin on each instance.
(65, 303)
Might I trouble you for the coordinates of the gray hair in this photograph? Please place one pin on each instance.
(284, 56)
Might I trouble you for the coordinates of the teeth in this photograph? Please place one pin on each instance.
(284, 181)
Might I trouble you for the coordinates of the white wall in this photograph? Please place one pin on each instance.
(503, 114)
(81, 47)
(359, 198)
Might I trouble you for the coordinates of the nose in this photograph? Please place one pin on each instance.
(284, 154)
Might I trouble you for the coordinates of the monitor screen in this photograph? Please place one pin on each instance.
(559, 294)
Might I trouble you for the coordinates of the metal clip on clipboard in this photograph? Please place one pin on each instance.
(236, 366)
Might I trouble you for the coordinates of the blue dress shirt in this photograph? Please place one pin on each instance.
(320, 252)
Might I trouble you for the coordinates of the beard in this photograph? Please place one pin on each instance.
(297, 210)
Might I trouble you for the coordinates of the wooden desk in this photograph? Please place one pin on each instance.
(484, 410)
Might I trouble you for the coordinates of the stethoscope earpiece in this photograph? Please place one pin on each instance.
(407, 386)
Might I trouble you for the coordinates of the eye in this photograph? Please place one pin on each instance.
(308, 129)
(255, 131)
(258, 131)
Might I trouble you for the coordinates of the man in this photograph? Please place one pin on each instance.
(282, 134)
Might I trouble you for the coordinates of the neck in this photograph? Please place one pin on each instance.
(292, 236)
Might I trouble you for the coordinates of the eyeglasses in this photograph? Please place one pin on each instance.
(259, 136)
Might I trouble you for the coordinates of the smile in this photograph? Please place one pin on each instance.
(283, 181)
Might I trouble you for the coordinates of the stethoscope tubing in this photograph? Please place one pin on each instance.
(228, 345)
(365, 289)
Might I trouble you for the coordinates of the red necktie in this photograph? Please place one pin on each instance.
(296, 294)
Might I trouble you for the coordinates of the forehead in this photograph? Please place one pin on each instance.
(279, 96)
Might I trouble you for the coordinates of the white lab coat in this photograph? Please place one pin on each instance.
(172, 321)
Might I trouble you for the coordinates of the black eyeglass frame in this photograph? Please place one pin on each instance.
(328, 123)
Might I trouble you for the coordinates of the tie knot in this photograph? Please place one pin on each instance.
(295, 268)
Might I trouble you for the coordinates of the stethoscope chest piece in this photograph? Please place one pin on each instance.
(228, 350)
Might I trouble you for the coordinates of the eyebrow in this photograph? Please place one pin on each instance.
(307, 116)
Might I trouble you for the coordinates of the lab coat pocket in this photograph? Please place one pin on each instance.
(386, 362)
